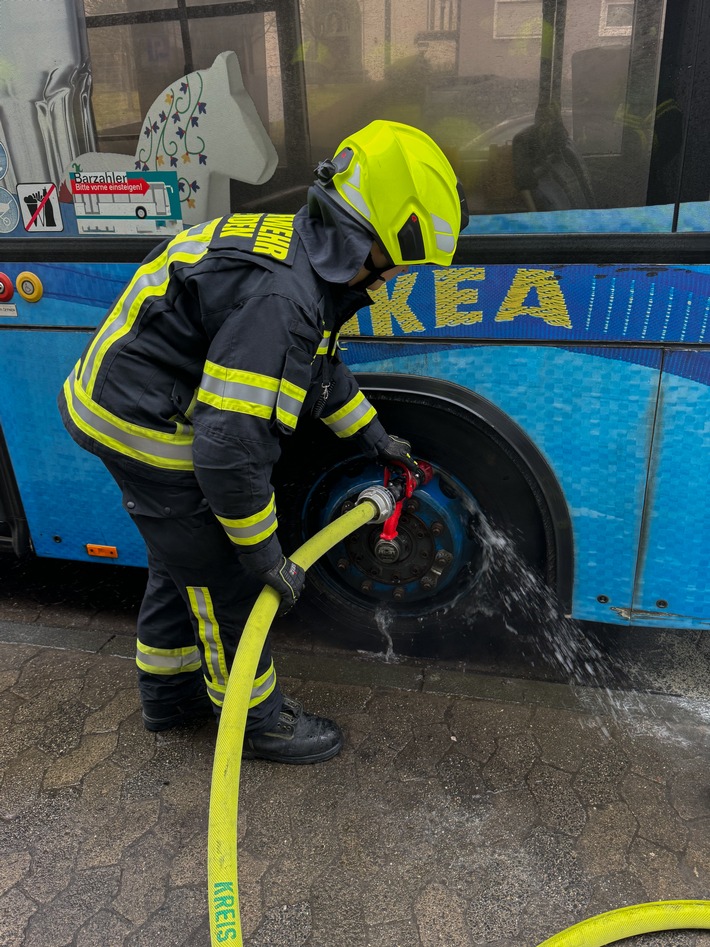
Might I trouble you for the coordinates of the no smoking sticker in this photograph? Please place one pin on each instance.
(39, 204)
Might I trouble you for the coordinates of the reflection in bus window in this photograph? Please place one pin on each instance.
(539, 105)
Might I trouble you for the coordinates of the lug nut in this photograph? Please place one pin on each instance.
(437, 528)
(366, 586)
(398, 593)
(427, 582)
(342, 564)
(412, 506)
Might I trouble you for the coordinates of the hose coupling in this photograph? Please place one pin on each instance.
(382, 499)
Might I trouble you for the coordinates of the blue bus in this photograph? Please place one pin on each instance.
(557, 375)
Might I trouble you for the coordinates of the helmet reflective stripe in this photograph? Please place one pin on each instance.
(444, 234)
(352, 417)
(150, 280)
(229, 389)
(252, 529)
(397, 182)
(167, 660)
(209, 633)
(351, 190)
(157, 448)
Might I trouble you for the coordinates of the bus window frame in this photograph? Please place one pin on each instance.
(293, 83)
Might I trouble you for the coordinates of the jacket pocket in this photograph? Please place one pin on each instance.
(182, 397)
(293, 388)
(162, 501)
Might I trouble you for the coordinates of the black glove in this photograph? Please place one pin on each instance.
(288, 579)
(397, 451)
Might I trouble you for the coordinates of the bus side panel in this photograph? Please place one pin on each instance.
(590, 412)
(68, 496)
(673, 586)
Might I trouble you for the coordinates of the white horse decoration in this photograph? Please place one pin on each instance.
(205, 127)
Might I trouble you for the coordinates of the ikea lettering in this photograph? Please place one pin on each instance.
(460, 299)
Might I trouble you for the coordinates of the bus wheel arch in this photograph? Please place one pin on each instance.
(484, 461)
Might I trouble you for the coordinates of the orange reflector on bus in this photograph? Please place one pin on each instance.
(105, 552)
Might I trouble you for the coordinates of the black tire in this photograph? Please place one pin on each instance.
(496, 478)
(141, 212)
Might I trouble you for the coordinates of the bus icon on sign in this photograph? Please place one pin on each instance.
(126, 202)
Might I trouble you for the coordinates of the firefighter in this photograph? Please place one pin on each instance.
(224, 336)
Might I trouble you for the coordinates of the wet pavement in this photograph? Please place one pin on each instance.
(468, 807)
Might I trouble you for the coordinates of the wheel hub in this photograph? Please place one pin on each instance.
(432, 549)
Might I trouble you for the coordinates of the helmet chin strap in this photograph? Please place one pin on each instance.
(374, 271)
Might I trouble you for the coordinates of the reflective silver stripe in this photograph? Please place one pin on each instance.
(167, 660)
(263, 686)
(252, 529)
(152, 276)
(238, 391)
(289, 406)
(149, 446)
(215, 693)
(324, 343)
(355, 414)
(208, 631)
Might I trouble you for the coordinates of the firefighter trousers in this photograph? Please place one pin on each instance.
(197, 599)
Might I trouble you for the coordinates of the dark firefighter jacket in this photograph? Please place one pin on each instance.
(213, 350)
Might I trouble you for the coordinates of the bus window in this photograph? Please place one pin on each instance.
(542, 105)
(132, 63)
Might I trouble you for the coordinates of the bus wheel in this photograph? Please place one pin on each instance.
(434, 589)
(141, 212)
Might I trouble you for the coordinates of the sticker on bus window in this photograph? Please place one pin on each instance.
(3, 161)
(126, 202)
(9, 211)
(39, 204)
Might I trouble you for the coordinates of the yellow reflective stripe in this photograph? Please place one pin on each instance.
(241, 377)
(252, 529)
(208, 630)
(352, 417)
(289, 403)
(234, 404)
(231, 389)
(167, 660)
(157, 448)
(263, 686)
(324, 343)
(215, 692)
(150, 280)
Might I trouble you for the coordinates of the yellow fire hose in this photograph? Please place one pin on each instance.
(225, 923)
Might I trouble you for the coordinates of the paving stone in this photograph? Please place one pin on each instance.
(605, 842)
(104, 927)
(16, 909)
(457, 814)
(441, 918)
(55, 924)
(14, 866)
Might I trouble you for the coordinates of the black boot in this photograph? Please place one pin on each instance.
(298, 737)
(190, 710)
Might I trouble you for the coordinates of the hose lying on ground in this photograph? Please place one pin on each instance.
(612, 926)
(225, 921)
